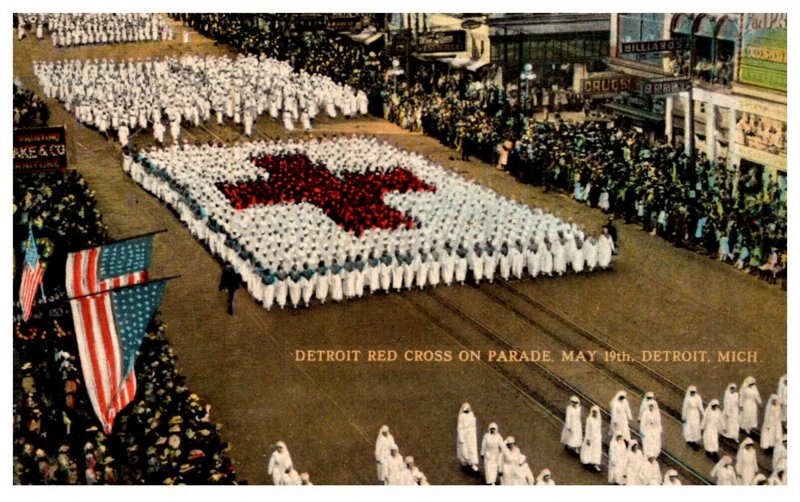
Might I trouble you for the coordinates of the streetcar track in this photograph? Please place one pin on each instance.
(677, 389)
(551, 409)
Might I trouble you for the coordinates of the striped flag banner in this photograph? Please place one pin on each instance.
(110, 327)
(107, 267)
(32, 273)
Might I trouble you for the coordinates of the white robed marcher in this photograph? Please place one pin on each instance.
(651, 431)
(288, 121)
(617, 459)
(393, 467)
(649, 397)
(505, 266)
(592, 447)
(779, 456)
(517, 262)
(460, 268)
(323, 282)
(723, 472)
(605, 248)
(510, 461)
(435, 272)
(620, 416)
(337, 293)
(730, 413)
(492, 448)
(671, 478)
(578, 260)
(489, 265)
(571, 433)
(281, 292)
(635, 462)
(308, 288)
(467, 438)
(772, 428)
(650, 473)
(546, 265)
(382, 445)
(545, 478)
(525, 473)
(692, 415)
(559, 258)
(749, 402)
(386, 276)
(711, 426)
(279, 461)
(590, 253)
(448, 267)
(295, 291)
(782, 396)
(476, 263)
(746, 463)
(533, 262)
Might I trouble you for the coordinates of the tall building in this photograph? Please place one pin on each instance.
(716, 82)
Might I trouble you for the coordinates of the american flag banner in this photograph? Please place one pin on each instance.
(107, 267)
(31, 276)
(110, 327)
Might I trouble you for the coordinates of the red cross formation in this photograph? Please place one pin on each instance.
(353, 200)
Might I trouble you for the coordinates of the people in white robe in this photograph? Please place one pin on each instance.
(279, 462)
(730, 413)
(510, 461)
(749, 402)
(571, 433)
(779, 455)
(393, 466)
(605, 250)
(525, 472)
(746, 463)
(291, 478)
(711, 426)
(777, 478)
(545, 478)
(408, 259)
(467, 438)
(724, 473)
(592, 447)
(649, 397)
(671, 478)
(71, 29)
(650, 473)
(692, 416)
(635, 462)
(651, 431)
(492, 448)
(782, 396)
(772, 427)
(382, 444)
(620, 410)
(617, 459)
(412, 475)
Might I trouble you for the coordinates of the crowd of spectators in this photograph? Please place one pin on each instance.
(29, 111)
(164, 436)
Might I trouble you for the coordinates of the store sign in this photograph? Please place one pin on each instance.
(40, 148)
(764, 53)
(442, 41)
(344, 22)
(309, 22)
(666, 86)
(652, 46)
(610, 84)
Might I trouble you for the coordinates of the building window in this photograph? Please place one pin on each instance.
(642, 28)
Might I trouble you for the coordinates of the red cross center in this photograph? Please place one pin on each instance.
(353, 200)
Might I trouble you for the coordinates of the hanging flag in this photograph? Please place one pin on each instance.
(110, 327)
(31, 276)
(112, 266)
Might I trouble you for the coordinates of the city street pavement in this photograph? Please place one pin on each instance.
(656, 297)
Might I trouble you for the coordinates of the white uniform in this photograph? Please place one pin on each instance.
(749, 402)
(467, 437)
(382, 445)
(730, 413)
(592, 447)
(746, 464)
(492, 448)
(279, 461)
(571, 434)
(711, 425)
(692, 415)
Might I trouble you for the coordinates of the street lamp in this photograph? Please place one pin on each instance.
(395, 70)
(528, 76)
